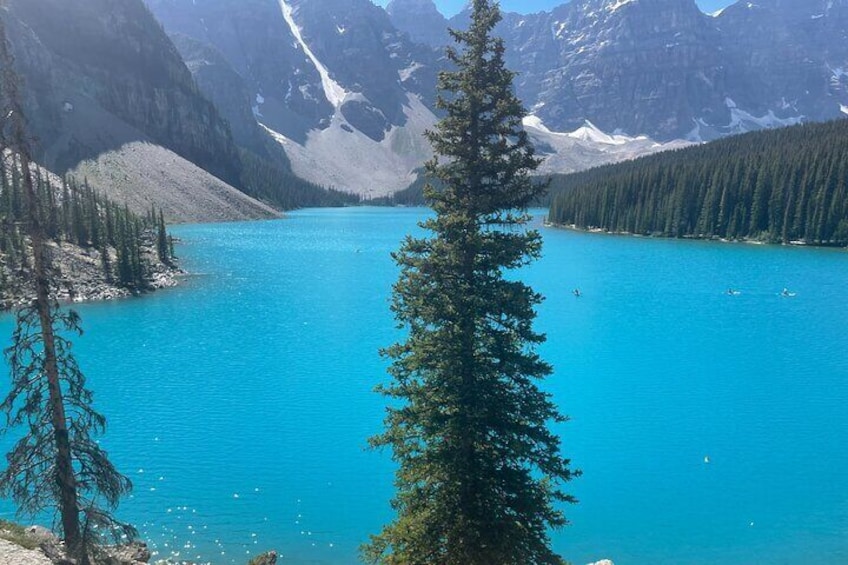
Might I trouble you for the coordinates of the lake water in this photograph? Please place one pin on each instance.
(240, 403)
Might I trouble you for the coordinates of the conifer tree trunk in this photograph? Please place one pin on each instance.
(65, 478)
(68, 505)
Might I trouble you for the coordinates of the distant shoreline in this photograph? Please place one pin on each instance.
(746, 241)
(81, 279)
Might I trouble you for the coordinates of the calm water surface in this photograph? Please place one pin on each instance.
(240, 403)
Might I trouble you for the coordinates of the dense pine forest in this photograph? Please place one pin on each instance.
(72, 214)
(779, 186)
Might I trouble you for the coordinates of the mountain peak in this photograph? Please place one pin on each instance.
(420, 19)
(427, 7)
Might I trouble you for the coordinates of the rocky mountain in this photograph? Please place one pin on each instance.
(100, 76)
(421, 19)
(663, 68)
(345, 93)
(785, 58)
(339, 84)
(339, 92)
(347, 88)
(109, 97)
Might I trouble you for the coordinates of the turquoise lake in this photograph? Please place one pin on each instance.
(240, 402)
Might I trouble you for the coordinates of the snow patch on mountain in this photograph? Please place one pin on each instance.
(619, 4)
(742, 121)
(333, 91)
(589, 132)
(256, 107)
(342, 157)
(408, 72)
(844, 109)
(695, 135)
(588, 146)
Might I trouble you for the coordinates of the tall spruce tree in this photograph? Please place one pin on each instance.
(57, 464)
(479, 472)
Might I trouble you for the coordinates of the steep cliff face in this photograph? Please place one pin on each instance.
(306, 60)
(641, 66)
(665, 69)
(332, 81)
(254, 38)
(101, 73)
(226, 89)
(789, 57)
(421, 19)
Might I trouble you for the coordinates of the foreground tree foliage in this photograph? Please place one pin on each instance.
(57, 465)
(479, 471)
(776, 186)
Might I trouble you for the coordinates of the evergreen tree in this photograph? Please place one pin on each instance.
(163, 249)
(57, 463)
(479, 471)
(777, 186)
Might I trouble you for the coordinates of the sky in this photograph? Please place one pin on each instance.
(451, 7)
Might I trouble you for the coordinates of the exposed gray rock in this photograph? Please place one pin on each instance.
(332, 79)
(133, 553)
(102, 84)
(421, 19)
(111, 61)
(269, 558)
(12, 554)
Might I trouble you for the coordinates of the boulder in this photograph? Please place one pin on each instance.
(269, 558)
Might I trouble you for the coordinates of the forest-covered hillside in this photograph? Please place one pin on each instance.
(98, 247)
(778, 186)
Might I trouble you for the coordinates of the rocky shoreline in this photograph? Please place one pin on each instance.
(36, 545)
(745, 240)
(81, 278)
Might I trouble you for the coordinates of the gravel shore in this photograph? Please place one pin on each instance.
(11, 554)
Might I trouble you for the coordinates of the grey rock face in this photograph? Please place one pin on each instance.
(281, 59)
(787, 56)
(226, 88)
(663, 68)
(269, 558)
(253, 37)
(421, 19)
(101, 73)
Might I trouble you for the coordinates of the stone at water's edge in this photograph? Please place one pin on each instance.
(603, 562)
(269, 558)
(133, 553)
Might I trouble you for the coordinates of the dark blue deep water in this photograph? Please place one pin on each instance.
(240, 403)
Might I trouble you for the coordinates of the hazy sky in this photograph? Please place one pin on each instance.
(451, 7)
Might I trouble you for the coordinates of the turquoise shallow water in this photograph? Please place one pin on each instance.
(240, 403)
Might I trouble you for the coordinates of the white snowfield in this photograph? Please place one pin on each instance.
(334, 92)
(345, 158)
(588, 146)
